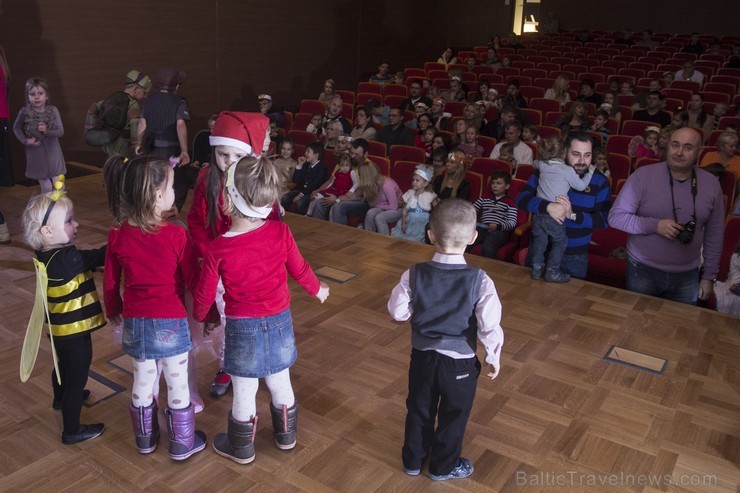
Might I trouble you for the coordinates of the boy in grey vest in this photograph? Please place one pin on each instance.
(449, 304)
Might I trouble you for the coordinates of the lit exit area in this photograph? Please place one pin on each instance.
(527, 17)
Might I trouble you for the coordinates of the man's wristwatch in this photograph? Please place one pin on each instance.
(573, 217)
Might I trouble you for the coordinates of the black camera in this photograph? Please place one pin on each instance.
(687, 234)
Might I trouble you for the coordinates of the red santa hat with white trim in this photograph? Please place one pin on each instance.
(245, 131)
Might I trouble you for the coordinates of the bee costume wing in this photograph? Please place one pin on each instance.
(39, 315)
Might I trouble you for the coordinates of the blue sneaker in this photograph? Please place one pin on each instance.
(463, 470)
(412, 472)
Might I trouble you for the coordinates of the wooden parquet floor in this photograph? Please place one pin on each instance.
(559, 417)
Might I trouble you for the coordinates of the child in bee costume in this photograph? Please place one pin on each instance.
(66, 303)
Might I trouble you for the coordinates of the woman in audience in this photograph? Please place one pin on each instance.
(473, 116)
(452, 183)
(724, 155)
(611, 106)
(459, 136)
(363, 128)
(698, 118)
(495, 42)
(442, 141)
(480, 94)
(576, 120)
(559, 91)
(366, 195)
(328, 91)
(492, 60)
(333, 131)
(420, 108)
(448, 57)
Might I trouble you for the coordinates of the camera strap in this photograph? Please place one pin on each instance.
(694, 191)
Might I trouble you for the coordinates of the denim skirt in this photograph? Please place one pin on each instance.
(155, 338)
(259, 347)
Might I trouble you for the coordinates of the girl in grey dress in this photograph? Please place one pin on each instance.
(39, 127)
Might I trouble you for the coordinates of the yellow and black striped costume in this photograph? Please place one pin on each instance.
(74, 307)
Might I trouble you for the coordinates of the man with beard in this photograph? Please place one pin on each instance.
(415, 96)
(581, 212)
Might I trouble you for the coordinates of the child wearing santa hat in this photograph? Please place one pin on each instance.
(234, 136)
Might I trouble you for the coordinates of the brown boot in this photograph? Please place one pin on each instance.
(238, 443)
(285, 424)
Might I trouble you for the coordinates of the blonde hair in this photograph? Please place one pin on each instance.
(371, 181)
(550, 148)
(457, 178)
(132, 189)
(33, 216)
(257, 181)
(560, 87)
(453, 223)
(727, 138)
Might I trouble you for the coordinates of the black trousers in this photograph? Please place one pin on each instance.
(75, 356)
(440, 388)
(301, 207)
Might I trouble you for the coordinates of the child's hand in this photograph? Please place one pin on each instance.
(42, 127)
(116, 320)
(33, 142)
(323, 291)
(301, 160)
(495, 369)
(297, 198)
(492, 227)
(208, 328)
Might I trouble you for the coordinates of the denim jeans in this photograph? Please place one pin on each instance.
(677, 286)
(575, 265)
(155, 338)
(545, 228)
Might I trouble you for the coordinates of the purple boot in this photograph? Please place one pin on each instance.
(146, 427)
(185, 440)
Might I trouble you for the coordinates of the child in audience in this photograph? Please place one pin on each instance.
(74, 311)
(439, 156)
(340, 183)
(316, 126)
(647, 145)
(309, 174)
(285, 164)
(38, 127)
(506, 153)
(530, 134)
(427, 142)
(234, 135)
(601, 161)
(497, 215)
(470, 146)
(555, 179)
(417, 205)
(601, 117)
(254, 259)
(440, 297)
(159, 261)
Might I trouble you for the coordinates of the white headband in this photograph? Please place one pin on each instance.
(242, 205)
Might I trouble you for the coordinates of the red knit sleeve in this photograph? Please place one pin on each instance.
(198, 214)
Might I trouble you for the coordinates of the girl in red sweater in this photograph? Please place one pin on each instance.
(234, 136)
(253, 259)
(157, 261)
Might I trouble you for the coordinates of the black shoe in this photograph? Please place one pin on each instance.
(57, 403)
(86, 432)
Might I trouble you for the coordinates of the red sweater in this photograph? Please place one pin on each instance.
(156, 267)
(253, 267)
(200, 232)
